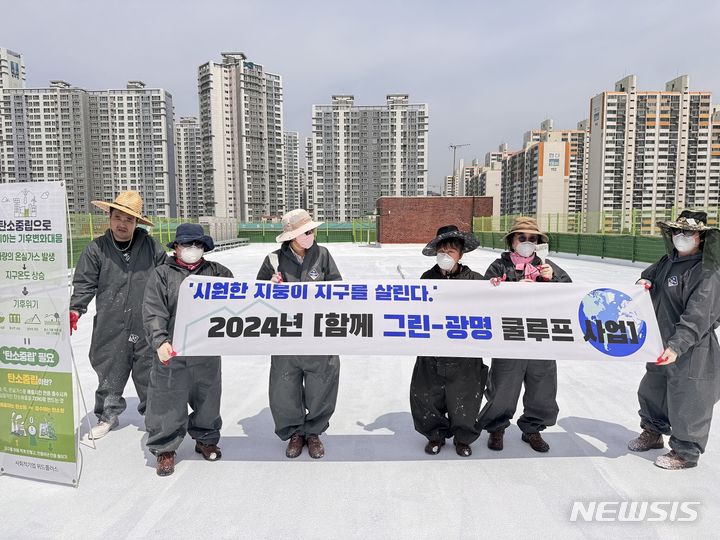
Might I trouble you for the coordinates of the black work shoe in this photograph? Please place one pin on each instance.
(647, 440)
(210, 452)
(295, 446)
(672, 461)
(165, 464)
(463, 449)
(495, 442)
(536, 441)
(433, 447)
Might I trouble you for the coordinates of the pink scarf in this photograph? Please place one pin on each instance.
(523, 264)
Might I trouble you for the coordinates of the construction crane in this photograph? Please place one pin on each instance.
(454, 148)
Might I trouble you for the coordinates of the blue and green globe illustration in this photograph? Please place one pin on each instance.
(611, 305)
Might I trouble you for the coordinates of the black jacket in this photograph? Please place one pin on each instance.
(318, 265)
(686, 299)
(505, 266)
(118, 286)
(463, 272)
(161, 296)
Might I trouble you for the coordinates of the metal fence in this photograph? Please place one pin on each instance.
(634, 222)
(628, 247)
(83, 228)
(358, 231)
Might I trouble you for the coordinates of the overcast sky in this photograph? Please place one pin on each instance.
(489, 71)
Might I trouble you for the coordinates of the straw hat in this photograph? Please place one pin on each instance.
(451, 231)
(525, 225)
(687, 221)
(295, 223)
(129, 202)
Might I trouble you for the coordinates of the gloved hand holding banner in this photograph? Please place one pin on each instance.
(558, 321)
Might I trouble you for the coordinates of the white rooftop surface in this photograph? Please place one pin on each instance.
(375, 480)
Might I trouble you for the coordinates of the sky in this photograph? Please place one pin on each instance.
(489, 71)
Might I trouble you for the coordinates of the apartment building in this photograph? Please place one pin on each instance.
(241, 121)
(99, 142)
(361, 153)
(650, 152)
(188, 168)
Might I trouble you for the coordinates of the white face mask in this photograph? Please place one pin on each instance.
(305, 241)
(191, 255)
(445, 261)
(525, 249)
(683, 243)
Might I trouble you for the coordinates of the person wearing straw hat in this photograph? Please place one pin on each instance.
(678, 392)
(446, 392)
(179, 381)
(114, 269)
(303, 389)
(507, 376)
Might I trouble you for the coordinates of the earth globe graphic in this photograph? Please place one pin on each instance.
(611, 305)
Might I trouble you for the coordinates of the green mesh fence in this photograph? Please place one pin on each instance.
(359, 232)
(631, 247)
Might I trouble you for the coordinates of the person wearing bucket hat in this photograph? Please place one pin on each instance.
(677, 394)
(179, 381)
(303, 389)
(507, 376)
(446, 392)
(114, 269)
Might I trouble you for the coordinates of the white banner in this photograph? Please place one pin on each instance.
(561, 321)
(37, 422)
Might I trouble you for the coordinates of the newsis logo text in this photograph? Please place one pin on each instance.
(629, 511)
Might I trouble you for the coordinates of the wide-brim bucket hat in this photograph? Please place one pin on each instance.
(451, 231)
(687, 221)
(295, 223)
(525, 225)
(186, 233)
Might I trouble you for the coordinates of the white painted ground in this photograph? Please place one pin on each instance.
(375, 480)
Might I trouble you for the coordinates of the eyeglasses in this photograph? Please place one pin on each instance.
(528, 238)
(678, 232)
(192, 244)
(308, 233)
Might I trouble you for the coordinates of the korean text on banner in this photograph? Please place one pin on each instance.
(564, 321)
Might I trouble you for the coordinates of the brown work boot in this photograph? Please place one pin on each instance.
(165, 464)
(295, 445)
(210, 452)
(495, 442)
(463, 449)
(315, 447)
(433, 447)
(647, 440)
(536, 441)
(674, 462)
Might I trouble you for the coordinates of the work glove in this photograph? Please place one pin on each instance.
(74, 318)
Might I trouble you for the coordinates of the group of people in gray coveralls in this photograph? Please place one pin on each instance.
(135, 285)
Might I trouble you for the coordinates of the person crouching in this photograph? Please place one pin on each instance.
(446, 392)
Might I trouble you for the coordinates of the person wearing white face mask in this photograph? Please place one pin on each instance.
(507, 376)
(179, 381)
(303, 388)
(446, 392)
(678, 392)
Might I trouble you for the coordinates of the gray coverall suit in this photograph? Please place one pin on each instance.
(116, 279)
(303, 389)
